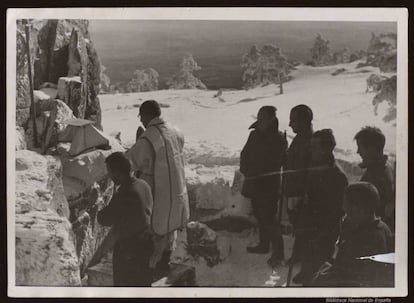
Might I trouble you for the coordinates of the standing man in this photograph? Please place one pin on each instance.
(371, 142)
(263, 154)
(157, 157)
(129, 212)
(297, 163)
(321, 211)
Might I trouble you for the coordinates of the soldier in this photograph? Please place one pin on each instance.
(129, 212)
(298, 160)
(263, 154)
(362, 234)
(371, 142)
(321, 211)
(157, 157)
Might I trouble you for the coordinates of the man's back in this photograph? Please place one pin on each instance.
(381, 175)
(158, 156)
(298, 159)
(129, 210)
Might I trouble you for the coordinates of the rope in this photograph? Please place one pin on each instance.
(283, 172)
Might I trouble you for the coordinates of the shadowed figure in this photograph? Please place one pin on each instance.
(264, 153)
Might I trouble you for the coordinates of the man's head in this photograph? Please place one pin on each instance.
(149, 110)
(118, 167)
(322, 146)
(361, 200)
(266, 117)
(301, 117)
(370, 142)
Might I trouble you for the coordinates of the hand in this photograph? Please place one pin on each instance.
(324, 268)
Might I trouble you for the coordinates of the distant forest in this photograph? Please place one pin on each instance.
(125, 46)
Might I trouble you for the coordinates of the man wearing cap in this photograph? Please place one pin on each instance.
(260, 162)
(157, 157)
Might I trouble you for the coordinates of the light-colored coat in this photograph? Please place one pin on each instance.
(158, 156)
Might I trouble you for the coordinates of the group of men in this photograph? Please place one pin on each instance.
(334, 222)
(150, 203)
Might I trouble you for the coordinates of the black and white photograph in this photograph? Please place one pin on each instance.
(207, 152)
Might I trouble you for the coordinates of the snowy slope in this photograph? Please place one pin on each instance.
(216, 128)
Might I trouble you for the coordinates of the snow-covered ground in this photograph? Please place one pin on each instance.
(217, 128)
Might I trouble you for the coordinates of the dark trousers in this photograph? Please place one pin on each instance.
(131, 261)
(265, 209)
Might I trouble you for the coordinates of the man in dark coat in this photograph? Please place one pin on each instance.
(297, 162)
(370, 142)
(260, 162)
(319, 215)
(362, 234)
(129, 212)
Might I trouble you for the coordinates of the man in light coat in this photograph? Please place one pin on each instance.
(157, 157)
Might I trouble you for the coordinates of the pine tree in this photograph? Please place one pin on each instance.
(265, 66)
(320, 52)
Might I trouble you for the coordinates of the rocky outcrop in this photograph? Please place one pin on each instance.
(57, 195)
(58, 48)
(45, 252)
(202, 241)
(87, 189)
(213, 197)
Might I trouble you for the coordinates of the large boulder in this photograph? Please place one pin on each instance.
(45, 251)
(211, 196)
(45, 254)
(39, 184)
(49, 123)
(202, 241)
(69, 91)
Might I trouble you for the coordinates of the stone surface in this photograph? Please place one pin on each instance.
(69, 91)
(20, 139)
(59, 48)
(59, 112)
(45, 255)
(39, 184)
(45, 252)
(202, 241)
(211, 196)
(87, 189)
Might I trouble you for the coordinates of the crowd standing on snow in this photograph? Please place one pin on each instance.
(334, 222)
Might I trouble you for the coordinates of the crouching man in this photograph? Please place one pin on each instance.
(362, 234)
(129, 212)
